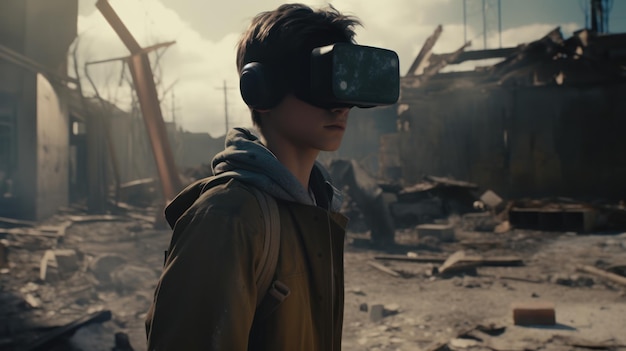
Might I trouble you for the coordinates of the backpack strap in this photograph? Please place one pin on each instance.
(269, 293)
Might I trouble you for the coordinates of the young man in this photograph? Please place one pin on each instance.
(207, 296)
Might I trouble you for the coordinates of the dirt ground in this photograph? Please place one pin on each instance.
(118, 261)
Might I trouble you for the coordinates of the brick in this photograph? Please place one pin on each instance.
(534, 313)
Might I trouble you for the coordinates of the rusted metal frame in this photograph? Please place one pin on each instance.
(151, 111)
(145, 50)
(143, 79)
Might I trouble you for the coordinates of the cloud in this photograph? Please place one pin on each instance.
(194, 66)
(198, 67)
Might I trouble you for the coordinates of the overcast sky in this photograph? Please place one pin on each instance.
(206, 33)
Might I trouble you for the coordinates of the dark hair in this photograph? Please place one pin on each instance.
(283, 39)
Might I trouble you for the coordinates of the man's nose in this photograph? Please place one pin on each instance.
(340, 110)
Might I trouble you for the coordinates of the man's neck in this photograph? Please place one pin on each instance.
(298, 161)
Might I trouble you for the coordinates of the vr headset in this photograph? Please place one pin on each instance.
(340, 75)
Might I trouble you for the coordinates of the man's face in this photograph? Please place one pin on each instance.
(306, 126)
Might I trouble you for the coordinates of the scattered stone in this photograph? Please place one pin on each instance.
(572, 281)
(32, 301)
(470, 283)
(462, 343)
(391, 310)
(363, 307)
(534, 295)
(127, 278)
(358, 291)
(443, 232)
(503, 227)
(103, 265)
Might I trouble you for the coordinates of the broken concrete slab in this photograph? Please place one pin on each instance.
(491, 199)
(443, 232)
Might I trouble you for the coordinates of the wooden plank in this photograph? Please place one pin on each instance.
(382, 268)
(96, 218)
(27, 231)
(419, 259)
(17, 222)
(425, 52)
(496, 261)
(602, 273)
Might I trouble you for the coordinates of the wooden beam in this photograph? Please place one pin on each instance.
(424, 54)
(476, 55)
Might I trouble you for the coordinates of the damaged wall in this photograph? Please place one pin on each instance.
(35, 36)
(52, 187)
(525, 141)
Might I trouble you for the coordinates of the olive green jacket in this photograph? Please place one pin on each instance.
(206, 297)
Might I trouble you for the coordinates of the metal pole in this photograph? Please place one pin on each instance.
(226, 106)
(500, 21)
(484, 26)
(143, 79)
(464, 21)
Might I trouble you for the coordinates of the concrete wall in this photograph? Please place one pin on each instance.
(535, 141)
(52, 150)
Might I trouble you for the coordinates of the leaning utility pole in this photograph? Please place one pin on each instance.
(145, 87)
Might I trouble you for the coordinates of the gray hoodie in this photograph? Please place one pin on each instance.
(246, 159)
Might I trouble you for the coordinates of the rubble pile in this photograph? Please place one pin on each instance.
(77, 281)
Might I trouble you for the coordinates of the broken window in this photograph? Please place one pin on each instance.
(8, 145)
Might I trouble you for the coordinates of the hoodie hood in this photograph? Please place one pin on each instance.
(246, 159)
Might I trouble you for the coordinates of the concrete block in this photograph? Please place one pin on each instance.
(534, 313)
(443, 232)
(4, 257)
(377, 313)
(58, 262)
(67, 261)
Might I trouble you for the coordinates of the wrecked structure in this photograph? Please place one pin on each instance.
(545, 121)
